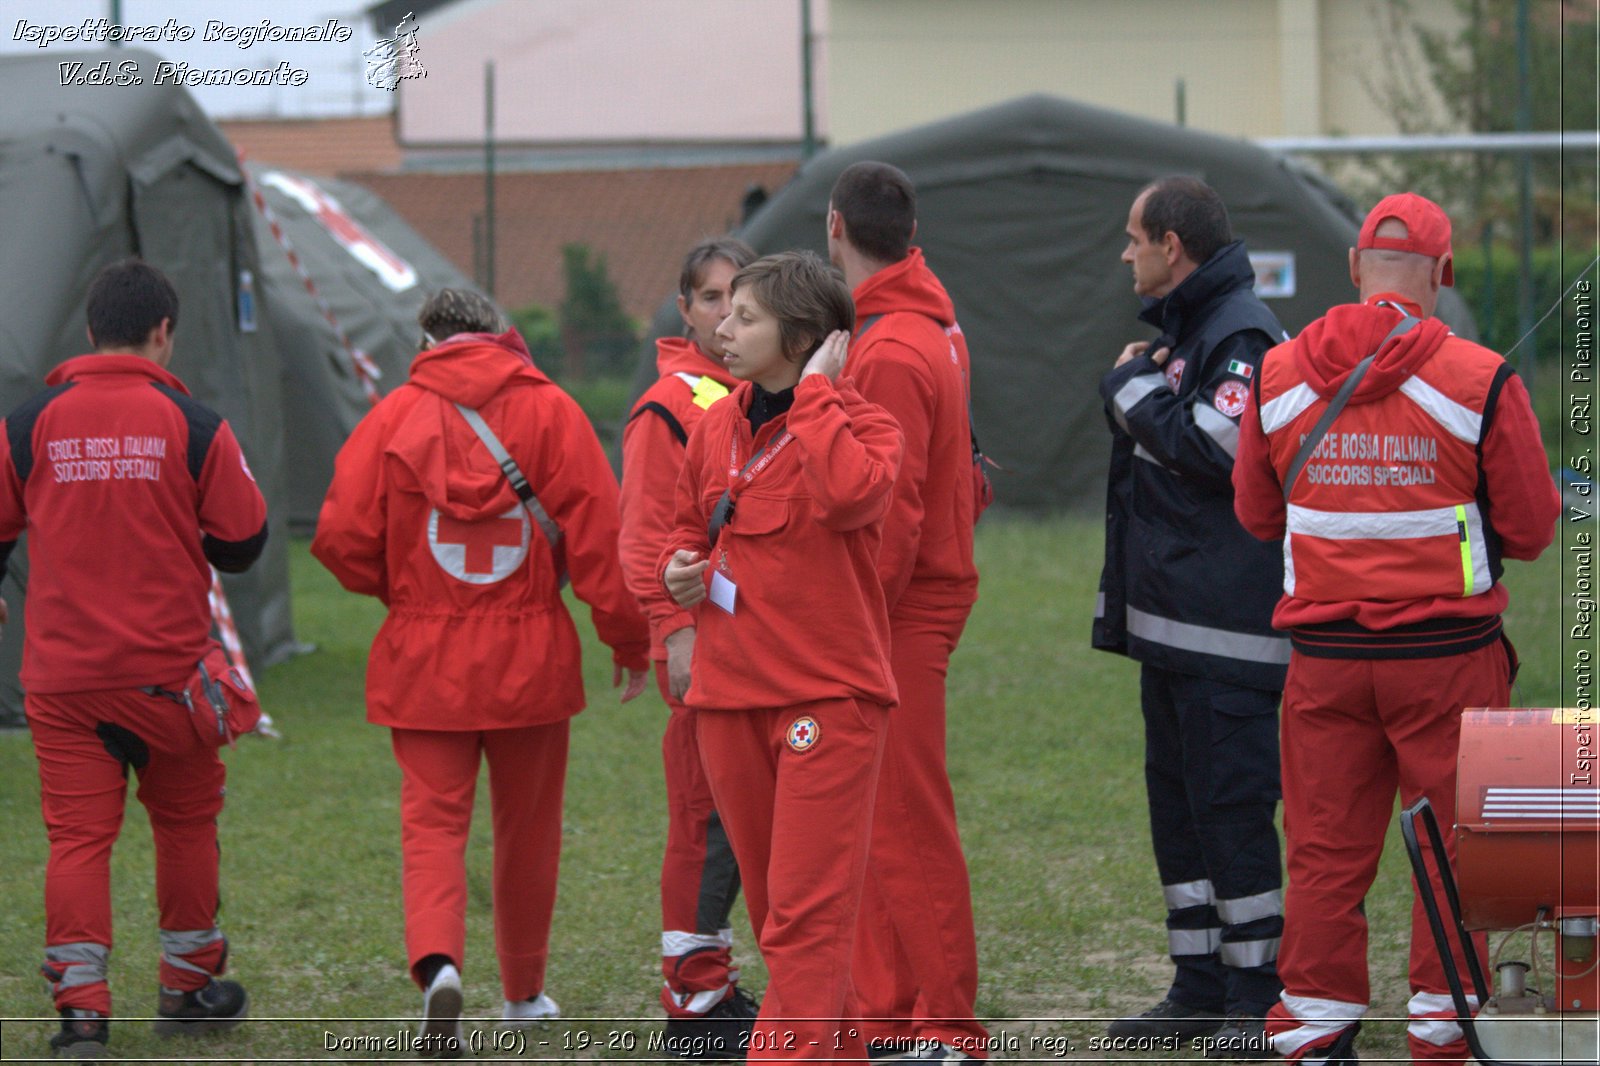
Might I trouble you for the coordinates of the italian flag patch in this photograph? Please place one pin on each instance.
(1243, 370)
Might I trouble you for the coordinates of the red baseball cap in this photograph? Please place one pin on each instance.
(1427, 229)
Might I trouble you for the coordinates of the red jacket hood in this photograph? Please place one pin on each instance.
(1328, 349)
(675, 355)
(452, 469)
(906, 286)
(81, 366)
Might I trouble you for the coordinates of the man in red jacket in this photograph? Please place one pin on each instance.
(463, 501)
(706, 1010)
(916, 968)
(1394, 522)
(115, 452)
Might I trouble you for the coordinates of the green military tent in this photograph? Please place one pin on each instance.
(343, 278)
(1021, 209)
(90, 173)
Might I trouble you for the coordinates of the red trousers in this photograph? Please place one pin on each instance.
(699, 877)
(439, 780)
(86, 743)
(795, 787)
(1354, 732)
(916, 964)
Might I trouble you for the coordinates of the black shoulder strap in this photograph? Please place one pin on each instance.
(666, 416)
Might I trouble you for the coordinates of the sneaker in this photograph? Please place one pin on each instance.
(1342, 1052)
(83, 1035)
(524, 1012)
(1242, 1039)
(1168, 1019)
(938, 1053)
(723, 1032)
(219, 1005)
(439, 1036)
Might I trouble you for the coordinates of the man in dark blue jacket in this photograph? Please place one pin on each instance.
(1189, 594)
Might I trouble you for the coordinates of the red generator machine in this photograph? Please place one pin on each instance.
(1527, 839)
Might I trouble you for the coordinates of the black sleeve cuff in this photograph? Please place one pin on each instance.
(234, 556)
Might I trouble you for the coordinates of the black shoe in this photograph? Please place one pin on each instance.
(1168, 1019)
(219, 1005)
(1342, 1052)
(893, 1047)
(83, 1035)
(1242, 1039)
(723, 1032)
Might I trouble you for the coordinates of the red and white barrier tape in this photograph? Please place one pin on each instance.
(366, 370)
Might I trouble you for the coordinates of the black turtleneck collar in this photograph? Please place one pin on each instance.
(765, 406)
(1174, 313)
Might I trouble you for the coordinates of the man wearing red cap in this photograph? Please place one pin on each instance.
(1395, 514)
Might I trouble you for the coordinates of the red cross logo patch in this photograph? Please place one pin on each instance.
(803, 734)
(1230, 398)
(482, 552)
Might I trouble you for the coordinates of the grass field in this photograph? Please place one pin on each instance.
(1045, 756)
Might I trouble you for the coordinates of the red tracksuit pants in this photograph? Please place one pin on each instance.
(1354, 732)
(916, 964)
(86, 743)
(699, 877)
(795, 787)
(439, 780)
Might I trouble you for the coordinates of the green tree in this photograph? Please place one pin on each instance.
(1437, 80)
(594, 327)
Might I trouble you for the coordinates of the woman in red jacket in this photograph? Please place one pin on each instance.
(779, 518)
(478, 657)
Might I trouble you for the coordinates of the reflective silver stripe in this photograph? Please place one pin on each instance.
(1139, 452)
(1277, 413)
(1100, 605)
(1288, 563)
(1318, 1018)
(176, 944)
(1188, 894)
(83, 963)
(1209, 641)
(1250, 908)
(1427, 1026)
(1246, 953)
(1136, 389)
(1219, 427)
(687, 378)
(674, 943)
(1377, 525)
(1391, 525)
(1193, 941)
(1462, 422)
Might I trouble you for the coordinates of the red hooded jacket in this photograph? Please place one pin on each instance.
(913, 363)
(1518, 495)
(420, 516)
(809, 621)
(652, 457)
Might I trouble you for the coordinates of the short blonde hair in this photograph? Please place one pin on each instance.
(804, 293)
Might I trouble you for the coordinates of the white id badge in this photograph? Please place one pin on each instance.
(723, 591)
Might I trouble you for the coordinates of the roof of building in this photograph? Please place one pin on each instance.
(330, 147)
(642, 221)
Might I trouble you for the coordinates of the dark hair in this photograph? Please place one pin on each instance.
(804, 293)
(879, 206)
(451, 311)
(703, 254)
(1191, 209)
(127, 300)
